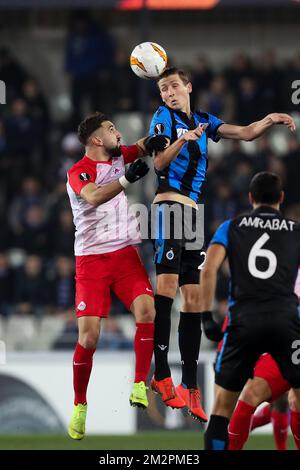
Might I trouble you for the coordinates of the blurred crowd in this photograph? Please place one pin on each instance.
(37, 233)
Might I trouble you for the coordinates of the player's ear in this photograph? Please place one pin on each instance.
(282, 195)
(189, 87)
(251, 200)
(96, 141)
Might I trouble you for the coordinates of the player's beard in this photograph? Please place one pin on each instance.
(115, 151)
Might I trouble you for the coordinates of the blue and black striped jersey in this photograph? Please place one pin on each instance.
(187, 172)
(263, 250)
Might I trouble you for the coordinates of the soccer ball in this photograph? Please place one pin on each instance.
(148, 60)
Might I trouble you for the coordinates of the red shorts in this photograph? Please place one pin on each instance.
(120, 271)
(266, 368)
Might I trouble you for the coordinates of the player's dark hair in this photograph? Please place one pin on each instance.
(266, 188)
(174, 71)
(89, 125)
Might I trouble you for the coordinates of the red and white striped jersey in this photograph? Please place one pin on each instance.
(110, 226)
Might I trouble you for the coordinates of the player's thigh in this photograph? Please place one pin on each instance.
(285, 335)
(167, 237)
(267, 369)
(256, 391)
(130, 278)
(89, 326)
(92, 286)
(190, 267)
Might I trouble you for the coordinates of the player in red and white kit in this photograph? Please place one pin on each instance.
(106, 258)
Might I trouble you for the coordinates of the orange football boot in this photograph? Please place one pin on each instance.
(191, 397)
(166, 389)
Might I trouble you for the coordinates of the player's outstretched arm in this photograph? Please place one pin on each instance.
(97, 196)
(256, 129)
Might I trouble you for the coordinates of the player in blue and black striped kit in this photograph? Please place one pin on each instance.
(181, 171)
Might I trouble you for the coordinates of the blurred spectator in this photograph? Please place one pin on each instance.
(242, 176)
(6, 286)
(112, 336)
(31, 290)
(30, 194)
(39, 113)
(20, 130)
(62, 234)
(269, 83)
(201, 74)
(125, 84)
(222, 206)
(292, 167)
(72, 150)
(248, 105)
(62, 285)
(89, 62)
(218, 100)
(12, 73)
(32, 235)
(239, 69)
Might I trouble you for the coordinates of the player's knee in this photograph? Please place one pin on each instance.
(293, 401)
(191, 303)
(89, 340)
(147, 315)
(167, 288)
(252, 395)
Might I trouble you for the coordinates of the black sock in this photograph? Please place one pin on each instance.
(189, 345)
(163, 306)
(216, 434)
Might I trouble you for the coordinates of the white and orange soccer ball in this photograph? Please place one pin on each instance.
(148, 60)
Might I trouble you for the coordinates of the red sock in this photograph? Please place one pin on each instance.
(239, 426)
(143, 347)
(295, 427)
(82, 366)
(280, 423)
(261, 417)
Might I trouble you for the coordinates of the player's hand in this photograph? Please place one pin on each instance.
(282, 118)
(156, 143)
(211, 328)
(195, 133)
(136, 171)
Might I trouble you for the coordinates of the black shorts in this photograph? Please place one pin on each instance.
(177, 241)
(247, 336)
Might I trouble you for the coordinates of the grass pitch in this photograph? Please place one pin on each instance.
(143, 441)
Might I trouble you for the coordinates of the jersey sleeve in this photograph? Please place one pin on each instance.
(161, 123)
(130, 153)
(80, 177)
(214, 124)
(221, 235)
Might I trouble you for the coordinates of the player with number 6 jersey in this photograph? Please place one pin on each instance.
(263, 250)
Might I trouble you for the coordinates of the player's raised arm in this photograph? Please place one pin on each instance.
(255, 129)
(96, 196)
